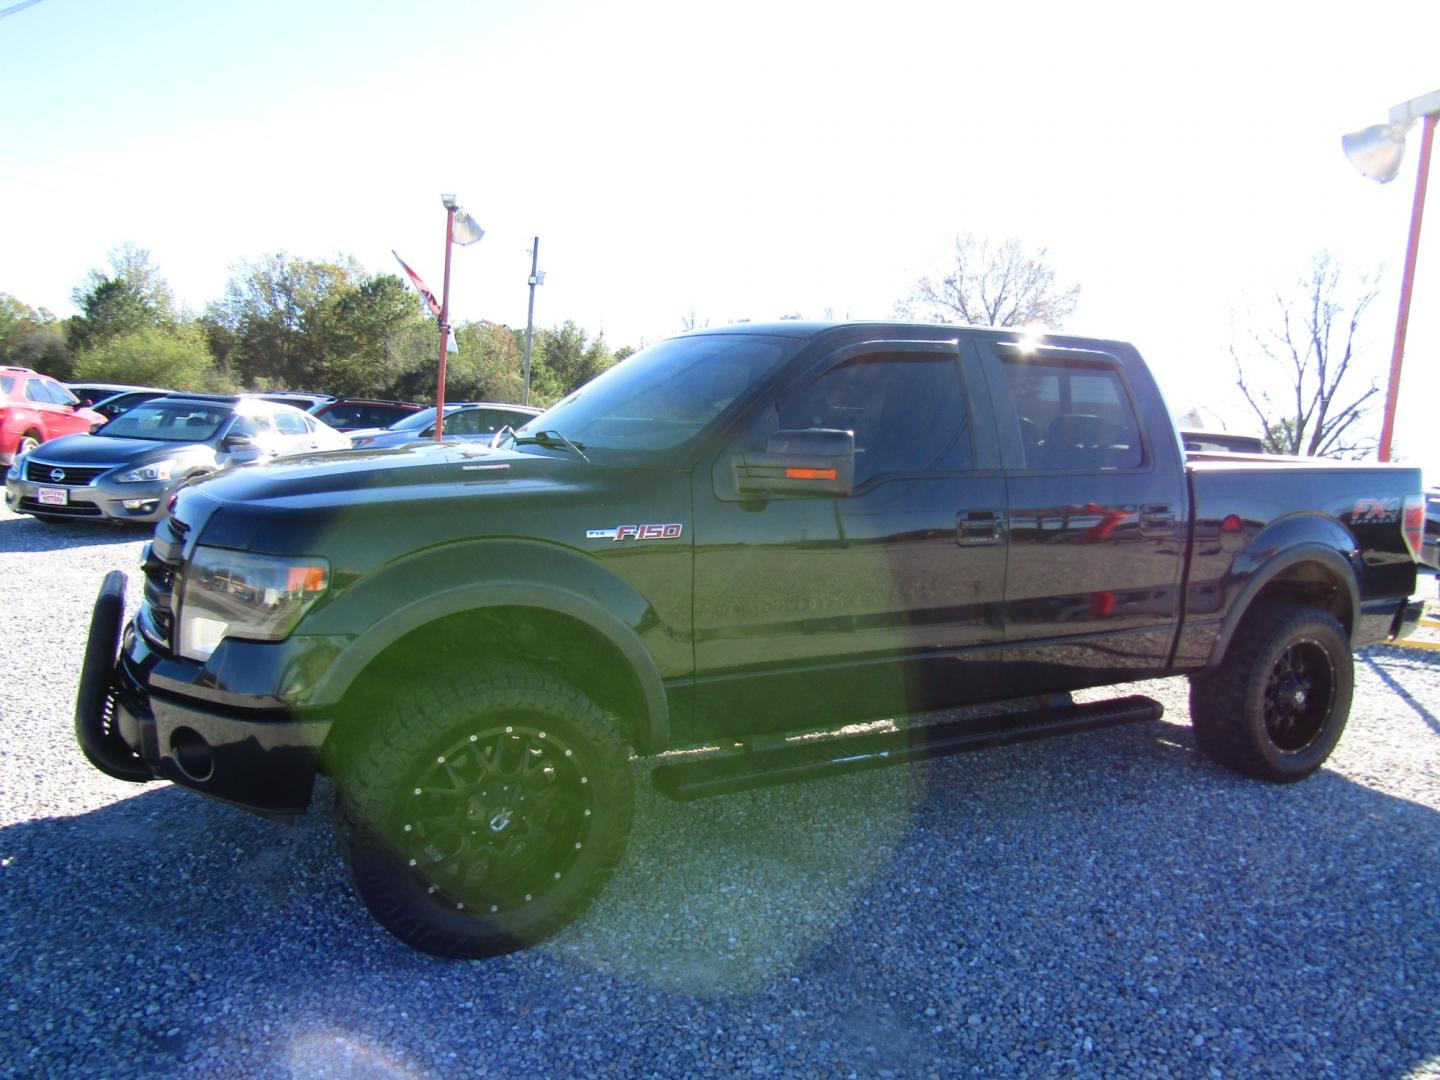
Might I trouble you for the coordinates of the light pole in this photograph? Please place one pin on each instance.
(448, 201)
(536, 278)
(469, 232)
(1377, 152)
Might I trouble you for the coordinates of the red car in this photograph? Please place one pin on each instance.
(34, 408)
(351, 414)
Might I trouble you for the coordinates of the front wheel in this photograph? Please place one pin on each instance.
(486, 816)
(1277, 707)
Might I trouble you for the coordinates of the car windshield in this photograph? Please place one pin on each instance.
(170, 421)
(650, 405)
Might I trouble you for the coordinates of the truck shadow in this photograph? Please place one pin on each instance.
(1380, 672)
(892, 918)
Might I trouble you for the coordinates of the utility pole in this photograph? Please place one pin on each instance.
(536, 278)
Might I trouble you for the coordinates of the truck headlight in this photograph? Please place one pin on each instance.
(232, 594)
(155, 470)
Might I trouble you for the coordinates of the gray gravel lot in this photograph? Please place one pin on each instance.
(1109, 904)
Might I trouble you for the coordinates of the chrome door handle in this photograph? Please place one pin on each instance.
(974, 528)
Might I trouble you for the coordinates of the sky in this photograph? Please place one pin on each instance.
(718, 162)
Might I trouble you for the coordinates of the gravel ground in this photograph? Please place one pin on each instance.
(1103, 905)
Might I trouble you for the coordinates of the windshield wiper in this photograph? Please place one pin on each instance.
(551, 440)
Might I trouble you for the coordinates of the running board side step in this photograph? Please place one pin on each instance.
(830, 756)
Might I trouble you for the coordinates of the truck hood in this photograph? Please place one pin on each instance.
(378, 499)
(351, 477)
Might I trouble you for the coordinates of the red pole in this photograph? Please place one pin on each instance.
(1387, 428)
(444, 325)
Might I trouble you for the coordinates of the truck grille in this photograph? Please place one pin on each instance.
(44, 472)
(160, 564)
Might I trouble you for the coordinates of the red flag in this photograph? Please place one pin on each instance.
(420, 286)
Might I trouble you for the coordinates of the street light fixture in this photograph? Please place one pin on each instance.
(1377, 152)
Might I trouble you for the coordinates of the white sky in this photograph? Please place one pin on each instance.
(741, 160)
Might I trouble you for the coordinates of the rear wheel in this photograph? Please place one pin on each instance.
(1278, 706)
(29, 441)
(486, 818)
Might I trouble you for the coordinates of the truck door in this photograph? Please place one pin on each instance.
(813, 608)
(1096, 518)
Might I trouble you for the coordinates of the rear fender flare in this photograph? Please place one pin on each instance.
(1260, 574)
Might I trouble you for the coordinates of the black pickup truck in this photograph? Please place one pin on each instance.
(729, 537)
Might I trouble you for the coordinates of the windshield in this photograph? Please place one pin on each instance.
(654, 402)
(170, 421)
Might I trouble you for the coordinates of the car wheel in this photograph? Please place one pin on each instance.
(29, 441)
(1277, 707)
(487, 816)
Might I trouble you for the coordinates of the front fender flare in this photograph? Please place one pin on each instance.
(652, 730)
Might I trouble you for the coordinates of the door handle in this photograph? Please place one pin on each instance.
(976, 527)
(1157, 517)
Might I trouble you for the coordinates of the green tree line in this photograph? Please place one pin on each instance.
(286, 322)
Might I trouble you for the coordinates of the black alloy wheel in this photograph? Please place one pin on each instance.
(1277, 706)
(483, 812)
(1299, 696)
(496, 816)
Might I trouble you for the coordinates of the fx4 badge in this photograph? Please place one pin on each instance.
(636, 532)
(1375, 512)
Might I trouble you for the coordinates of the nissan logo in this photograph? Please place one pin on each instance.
(57, 475)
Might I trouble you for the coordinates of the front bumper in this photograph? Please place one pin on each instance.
(139, 502)
(262, 760)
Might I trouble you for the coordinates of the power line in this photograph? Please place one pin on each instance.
(13, 8)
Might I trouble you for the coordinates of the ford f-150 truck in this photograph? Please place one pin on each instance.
(729, 537)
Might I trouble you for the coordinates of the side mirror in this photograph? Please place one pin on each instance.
(802, 461)
(238, 442)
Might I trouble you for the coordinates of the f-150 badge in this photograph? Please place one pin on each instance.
(636, 532)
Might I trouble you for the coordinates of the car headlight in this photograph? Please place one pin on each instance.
(232, 594)
(17, 467)
(155, 470)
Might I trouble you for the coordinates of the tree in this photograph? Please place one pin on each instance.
(488, 366)
(132, 297)
(376, 337)
(1308, 352)
(277, 316)
(176, 358)
(992, 284)
(564, 359)
(31, 338)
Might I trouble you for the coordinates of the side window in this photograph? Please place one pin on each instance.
(907, 411)
(465, 422)
(345, 416)
(36, 390)
(289, 423)
(1073, 417)
(250, 426)
(60, 393)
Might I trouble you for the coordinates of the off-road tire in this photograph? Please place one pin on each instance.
(484, 813)
(1278, 704)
